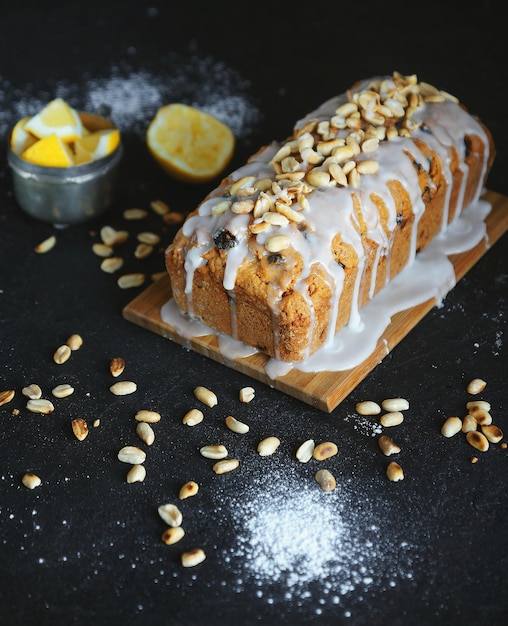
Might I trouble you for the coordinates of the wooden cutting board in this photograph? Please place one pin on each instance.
(324, 390)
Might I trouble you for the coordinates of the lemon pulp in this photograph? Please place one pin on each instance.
(189, 144)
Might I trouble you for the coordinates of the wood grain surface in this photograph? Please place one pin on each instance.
(324, 390)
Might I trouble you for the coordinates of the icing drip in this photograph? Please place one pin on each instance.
(430, 276)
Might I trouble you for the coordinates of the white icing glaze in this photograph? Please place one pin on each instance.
(430, 276)
(188, 328)
(330, 210)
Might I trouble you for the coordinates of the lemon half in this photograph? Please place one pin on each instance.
(189, 144)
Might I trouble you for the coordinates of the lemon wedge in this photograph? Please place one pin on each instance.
(49, 151)
(20, 140)
(189, 144)
(81, 156)
(56, 118)
(98, 143)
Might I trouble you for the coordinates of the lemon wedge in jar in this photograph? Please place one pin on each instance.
(97, 144)
(56, 118)
(20, 139)
(49, 151)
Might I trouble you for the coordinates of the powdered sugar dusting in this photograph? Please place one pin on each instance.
(131, 96)
(130, 100)
(367, 425)
(292, 534)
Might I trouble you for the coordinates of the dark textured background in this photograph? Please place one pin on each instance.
(289, 58)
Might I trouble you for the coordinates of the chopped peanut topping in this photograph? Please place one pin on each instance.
(330, 152)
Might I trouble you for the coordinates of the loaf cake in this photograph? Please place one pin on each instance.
(288, 248)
